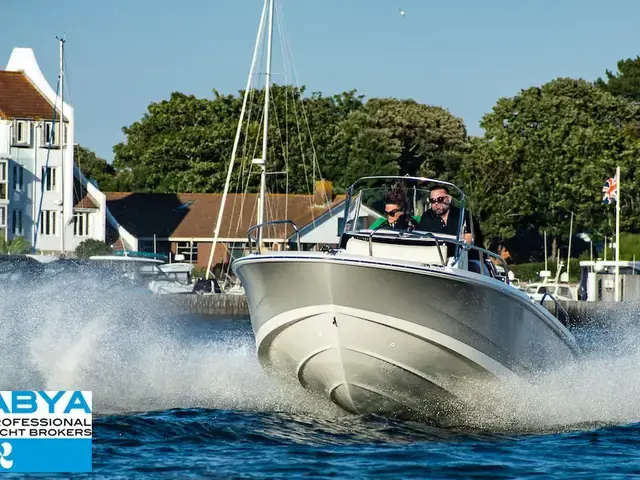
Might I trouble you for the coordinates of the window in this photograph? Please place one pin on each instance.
(51, 134)
(189, 250)
(4, 194)
(3, 216)
(49, 178)
(17, 223)
(21, 133)
(81, 224)
(48, 222)
(18, 177)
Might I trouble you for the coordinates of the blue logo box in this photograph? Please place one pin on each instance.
(46, 431)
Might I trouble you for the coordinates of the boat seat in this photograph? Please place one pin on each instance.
(412, 253)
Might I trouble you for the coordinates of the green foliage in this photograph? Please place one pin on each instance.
(546, 151)
(626, 83)
(15, 246)
(90, 247)
(629, 246)
(98, 170)
(184, 144)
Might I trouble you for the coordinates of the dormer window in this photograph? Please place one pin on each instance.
(51, 134)
(21, 133)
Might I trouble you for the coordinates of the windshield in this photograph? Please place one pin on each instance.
(369, 197)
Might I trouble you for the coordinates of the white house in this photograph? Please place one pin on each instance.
(327, 228)
(44, 197)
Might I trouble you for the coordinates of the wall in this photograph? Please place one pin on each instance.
(602, 287)
(325, 232)
(23, 59)
(35, 157)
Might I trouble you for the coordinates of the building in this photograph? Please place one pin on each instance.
(184, 223)
(44, 197)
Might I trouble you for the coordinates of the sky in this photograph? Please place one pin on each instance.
(463, 55)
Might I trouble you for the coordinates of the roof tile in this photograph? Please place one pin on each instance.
(194, 215)
(19, 98)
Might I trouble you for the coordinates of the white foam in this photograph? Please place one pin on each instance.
(136, 355)
(133, 353)
(602, 388)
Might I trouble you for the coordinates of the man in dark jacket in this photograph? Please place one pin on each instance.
(443, 217)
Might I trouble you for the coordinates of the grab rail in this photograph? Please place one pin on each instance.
(558, 305)
(446, 240)
(273, 222)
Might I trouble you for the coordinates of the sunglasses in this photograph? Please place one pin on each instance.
(391, 213)
(437, 200)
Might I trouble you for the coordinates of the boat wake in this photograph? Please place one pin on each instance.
(602, 388)
(136, 354)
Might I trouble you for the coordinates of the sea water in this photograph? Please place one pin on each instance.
(179, 396)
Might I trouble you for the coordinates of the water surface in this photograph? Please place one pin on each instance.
(180, 396)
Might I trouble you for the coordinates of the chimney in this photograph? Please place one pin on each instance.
(323, 194)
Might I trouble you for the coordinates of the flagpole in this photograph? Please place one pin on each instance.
(617, 290)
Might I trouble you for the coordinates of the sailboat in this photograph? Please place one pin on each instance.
(393, 322)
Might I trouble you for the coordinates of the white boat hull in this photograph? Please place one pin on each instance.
(377, 337)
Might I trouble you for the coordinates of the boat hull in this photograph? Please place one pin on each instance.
(378, 337)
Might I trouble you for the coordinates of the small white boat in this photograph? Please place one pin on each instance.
(559, 287)
(152, 271)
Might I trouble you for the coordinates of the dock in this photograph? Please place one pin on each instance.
(235, 306)
(582, 313)
(218, 305)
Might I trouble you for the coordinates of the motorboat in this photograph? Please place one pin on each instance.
(152, 271)
(395, 322)
(388, 321)
(559, 287)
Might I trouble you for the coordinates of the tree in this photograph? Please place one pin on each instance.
(91, 247)
(184, 144)
(432, 140)
(546, 153)
(180, 145)
(626, 82)
(361, 147)
(97, 169)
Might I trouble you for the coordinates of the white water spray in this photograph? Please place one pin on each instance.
(133, 352)
(602, 388)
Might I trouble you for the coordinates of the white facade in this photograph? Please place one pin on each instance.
(40, 174)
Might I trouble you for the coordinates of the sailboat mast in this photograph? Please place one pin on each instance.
(236, 143)
(63, 223)
(265, 132)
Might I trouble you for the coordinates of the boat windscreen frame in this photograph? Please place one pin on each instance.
(354, 195)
